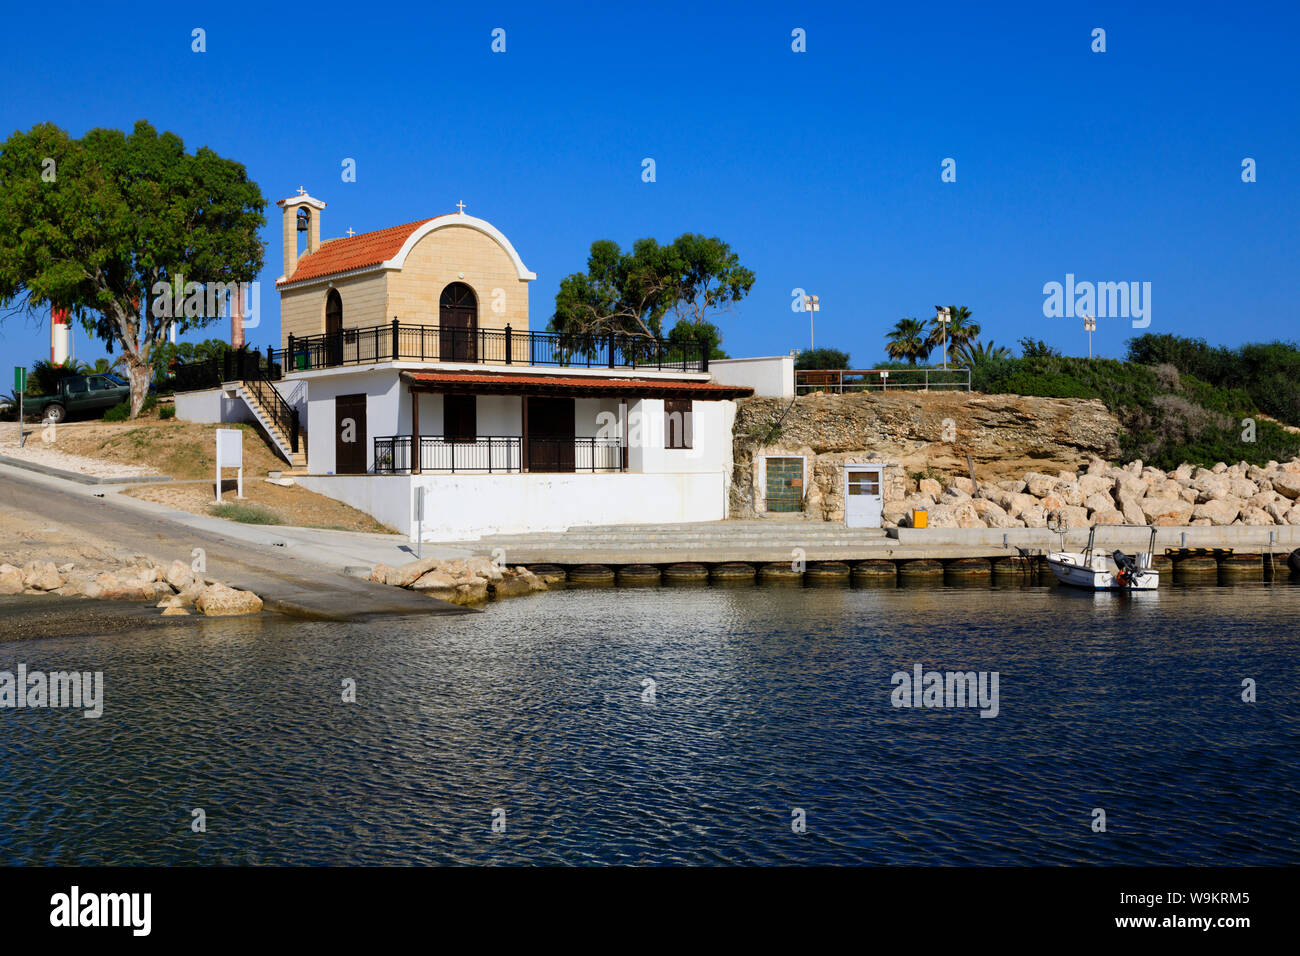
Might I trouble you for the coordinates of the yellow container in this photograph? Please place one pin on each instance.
(920, 518)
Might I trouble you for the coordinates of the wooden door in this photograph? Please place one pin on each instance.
(333, 328)
(458, 324)
(350, 435)
(550, 434)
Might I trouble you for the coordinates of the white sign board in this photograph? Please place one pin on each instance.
(230, 454)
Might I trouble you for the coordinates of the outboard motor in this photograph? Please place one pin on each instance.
(1128, 569)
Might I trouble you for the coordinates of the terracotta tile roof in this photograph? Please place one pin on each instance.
(354, 252)
(609, 386)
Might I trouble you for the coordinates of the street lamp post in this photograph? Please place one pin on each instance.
(811, 305)
(943, 315)
(1090, 325)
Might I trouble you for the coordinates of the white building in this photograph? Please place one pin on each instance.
(407, 367)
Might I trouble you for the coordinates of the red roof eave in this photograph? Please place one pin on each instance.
(505, 384)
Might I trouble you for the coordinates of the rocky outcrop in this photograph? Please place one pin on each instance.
(1103, 494)
(913, 432)
(173, 588)
(217, 600)
(461, 581)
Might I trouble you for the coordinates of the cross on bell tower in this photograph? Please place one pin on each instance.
(461, 207)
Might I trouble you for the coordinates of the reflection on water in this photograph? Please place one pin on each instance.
(766, 700)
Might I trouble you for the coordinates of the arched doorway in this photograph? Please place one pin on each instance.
(458, 324)
(334, 328)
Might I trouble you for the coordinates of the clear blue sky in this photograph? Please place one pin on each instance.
(822, 169)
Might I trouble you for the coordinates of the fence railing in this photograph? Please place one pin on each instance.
(881, 379)
(412, 342)
(497, 454)
(256, 372)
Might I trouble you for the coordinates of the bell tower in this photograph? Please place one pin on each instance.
(301, 213)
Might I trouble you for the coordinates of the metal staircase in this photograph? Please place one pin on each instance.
(244, 378)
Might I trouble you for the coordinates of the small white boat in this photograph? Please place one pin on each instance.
(1095, 570)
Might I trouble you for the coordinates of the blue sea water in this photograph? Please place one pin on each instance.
(535, 714)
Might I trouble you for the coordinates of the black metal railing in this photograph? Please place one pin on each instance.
(498, 454)
(256, 372)
(432, 343)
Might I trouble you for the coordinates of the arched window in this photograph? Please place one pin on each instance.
(334, 327)
(458, 324)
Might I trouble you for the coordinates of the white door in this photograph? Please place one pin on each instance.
(863, 497)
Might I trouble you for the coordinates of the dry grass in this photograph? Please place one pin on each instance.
(290, 506)
(183, 450)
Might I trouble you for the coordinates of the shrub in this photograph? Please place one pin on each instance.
(821, 359)
(245, 513)
(166, 412)
(118, 413)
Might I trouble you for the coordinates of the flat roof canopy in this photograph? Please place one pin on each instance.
(487, 383)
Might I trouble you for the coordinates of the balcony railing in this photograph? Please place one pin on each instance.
(881, 379)
(432, 343)
(497, 454)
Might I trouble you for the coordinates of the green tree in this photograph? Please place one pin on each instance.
(1037, 348)
(120, 226)
(694, 279)
(960, 329)
(972, 354)
(907, 341)
(821, 358)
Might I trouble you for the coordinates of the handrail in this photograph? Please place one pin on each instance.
(497, 454)
(840, 380)
(246, 367)
(417, 342)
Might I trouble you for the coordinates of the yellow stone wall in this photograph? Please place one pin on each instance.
(438, 259)
(411, 294)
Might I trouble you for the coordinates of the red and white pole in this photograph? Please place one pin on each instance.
(58, 335)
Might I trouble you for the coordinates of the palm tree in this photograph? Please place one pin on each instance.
(907, 341)
(960, 329)
(972, 354)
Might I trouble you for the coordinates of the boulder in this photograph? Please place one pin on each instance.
(1219, 468)
(217, 600)
(1099, 503)
(1034, 517)
(509, 585)
(1073, 516)
(471, 591)
(1181, 473)
(964, 485)
(1287, 485)
(534, 582)
(1242, 488)
(11, 579)
(484, 568)
(992, 516)
(434, 581)
(1092, 484)
(179, 576)
(953, 494)
(1165, 511)
(1015, 486)
(403, 576)
(1040, 485)
(1070, 493)
(1108, 517)
(42, 576)
(928, 486)
(174, 611)
(1218, 512)
(1256, 516)
(380, 572)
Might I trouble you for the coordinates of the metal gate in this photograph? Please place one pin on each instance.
(785, 484)
(863, 498)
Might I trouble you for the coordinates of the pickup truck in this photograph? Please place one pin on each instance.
(78, 394)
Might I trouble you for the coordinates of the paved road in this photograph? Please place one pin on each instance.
(286, 581)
